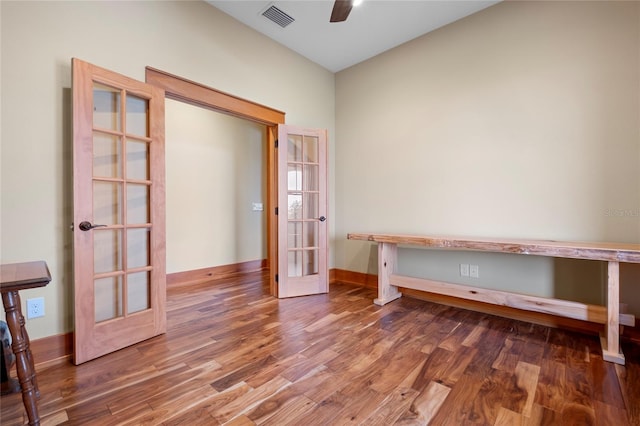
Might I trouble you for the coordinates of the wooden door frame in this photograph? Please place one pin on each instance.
(183, 90)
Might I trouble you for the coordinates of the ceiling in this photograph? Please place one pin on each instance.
(371, 28)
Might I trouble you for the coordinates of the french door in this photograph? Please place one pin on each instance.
(119, 213)
(302, 211)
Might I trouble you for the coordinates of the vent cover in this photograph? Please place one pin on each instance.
(278, 16)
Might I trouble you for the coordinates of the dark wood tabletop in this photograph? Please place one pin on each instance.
(20, 276)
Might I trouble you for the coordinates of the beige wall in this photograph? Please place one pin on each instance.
(189, 39)
(520, 121)
(216, 170)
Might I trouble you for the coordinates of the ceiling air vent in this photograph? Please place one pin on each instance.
(277, 16)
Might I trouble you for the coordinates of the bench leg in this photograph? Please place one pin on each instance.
(610, 341)
(387, 259)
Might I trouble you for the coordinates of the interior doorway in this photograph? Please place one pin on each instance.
(215, 188)
(190, 92)
(296, 184)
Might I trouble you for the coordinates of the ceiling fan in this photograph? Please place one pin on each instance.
(341, 9)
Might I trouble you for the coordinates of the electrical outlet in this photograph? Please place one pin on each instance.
(474, 271)
(35, 307)
(464, 269)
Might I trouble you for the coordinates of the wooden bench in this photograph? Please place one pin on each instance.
(609, 315)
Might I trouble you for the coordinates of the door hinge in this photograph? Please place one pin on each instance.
(276, 211)
(276, 143)
(276, 277)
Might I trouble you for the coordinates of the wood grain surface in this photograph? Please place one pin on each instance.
(604, 251)
(235, 355)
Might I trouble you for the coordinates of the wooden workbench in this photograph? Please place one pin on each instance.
(612, 253)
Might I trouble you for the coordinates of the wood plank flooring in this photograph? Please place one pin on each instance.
(234, 355)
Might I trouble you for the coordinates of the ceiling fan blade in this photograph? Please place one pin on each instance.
(341, 10)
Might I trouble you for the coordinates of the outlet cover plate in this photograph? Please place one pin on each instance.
(474, 271)
(35, 307)
(464, 269)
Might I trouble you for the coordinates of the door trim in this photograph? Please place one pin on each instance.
(181, 89)
(184, 90)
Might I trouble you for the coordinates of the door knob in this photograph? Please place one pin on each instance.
(86, 226)
(322, 218)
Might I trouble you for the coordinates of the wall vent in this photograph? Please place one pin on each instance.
(278, 16)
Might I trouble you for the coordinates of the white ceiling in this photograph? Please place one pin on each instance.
(371, 28)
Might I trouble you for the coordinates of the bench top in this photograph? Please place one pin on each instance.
(619, 252)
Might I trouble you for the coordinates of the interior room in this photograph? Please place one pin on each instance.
(508, 120)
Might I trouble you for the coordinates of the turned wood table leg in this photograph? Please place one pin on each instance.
(610, 342)
(32, 367)
(24, 360)
(387, 259)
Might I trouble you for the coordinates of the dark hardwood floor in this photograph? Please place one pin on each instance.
(234, 355)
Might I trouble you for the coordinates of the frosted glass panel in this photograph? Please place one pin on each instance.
(137, 247)
(310, 262)
(310, 149)
(108, 298)
(107, 203)
(137, 116)
(106, 108)
(294, 177)
(310, 205)
(294, 206)
(294, 152)
(295, 263)
(138, 292)
(137, 160)
(310, 178)
(107, 250)
(295, 234)
(137, 204)
(106, 155)
(310, 234)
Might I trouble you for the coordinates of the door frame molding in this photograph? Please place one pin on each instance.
(184, 90)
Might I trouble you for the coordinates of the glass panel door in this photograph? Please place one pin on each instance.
(302, 227)
(118, 211)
